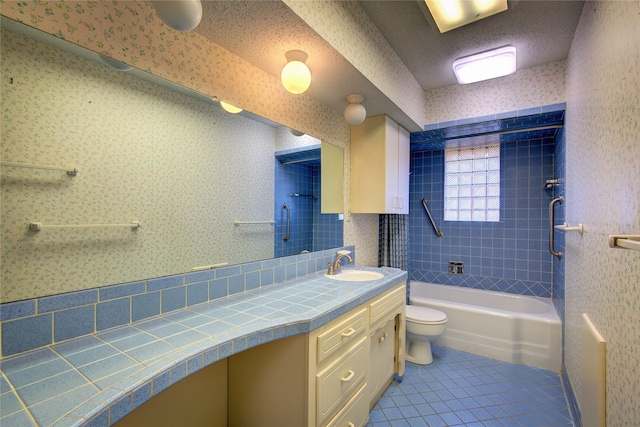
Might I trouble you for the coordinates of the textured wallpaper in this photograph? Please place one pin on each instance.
(603, 193)
(130, 32)
(531, 87)
(346, 26)
(184, 168)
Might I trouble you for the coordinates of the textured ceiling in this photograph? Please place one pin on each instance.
(541, 31)
(261, 32)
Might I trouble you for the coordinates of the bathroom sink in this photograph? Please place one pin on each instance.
(355, 276)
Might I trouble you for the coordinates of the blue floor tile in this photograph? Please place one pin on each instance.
(461, 389)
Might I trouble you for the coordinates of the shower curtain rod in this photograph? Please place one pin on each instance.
(311, 196)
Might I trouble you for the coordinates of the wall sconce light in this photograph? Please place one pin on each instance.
(230, 108)
(355, 113)
(486, 65)
(296, 76)
(181, 15)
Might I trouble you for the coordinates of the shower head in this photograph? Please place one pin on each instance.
(551, 183)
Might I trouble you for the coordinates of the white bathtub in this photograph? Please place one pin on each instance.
(502, 326)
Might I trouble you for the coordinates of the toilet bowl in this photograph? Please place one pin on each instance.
(423, 326)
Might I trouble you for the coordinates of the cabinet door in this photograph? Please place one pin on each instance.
(392, 202)
(379, 167)
(382, 361)
(368, 166)
(403, 170)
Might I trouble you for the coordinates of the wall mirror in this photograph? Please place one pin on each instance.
(202, 183)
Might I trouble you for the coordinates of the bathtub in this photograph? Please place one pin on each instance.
(498, 325)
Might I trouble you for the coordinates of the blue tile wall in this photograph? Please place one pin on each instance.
(73, 322)
(113, 313)
(559, 170)
(197, 293)
(31, 324)
(145, 305)
(295, 178)
(510, 255)
(75, 299)
(474, 131)
(26, 333)
(13, 310)
(174, 299)
(310, 230)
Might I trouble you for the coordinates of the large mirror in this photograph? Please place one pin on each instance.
(207, 187)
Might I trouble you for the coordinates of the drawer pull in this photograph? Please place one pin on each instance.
(350, 332)
(348, 377)
(351, 424)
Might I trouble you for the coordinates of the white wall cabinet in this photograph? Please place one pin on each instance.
(379, 167)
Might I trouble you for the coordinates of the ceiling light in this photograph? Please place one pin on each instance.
(230, 108)
(485, 65)
(181, 15)
(116, 65)
(451, 14)
(355, 113)
(296, 76)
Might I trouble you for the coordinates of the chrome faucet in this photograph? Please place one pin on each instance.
(334, 267)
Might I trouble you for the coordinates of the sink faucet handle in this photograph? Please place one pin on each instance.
(330, 272)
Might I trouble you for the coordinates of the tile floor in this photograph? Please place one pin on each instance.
(462, 389)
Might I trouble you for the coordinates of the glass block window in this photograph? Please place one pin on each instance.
(472, 184)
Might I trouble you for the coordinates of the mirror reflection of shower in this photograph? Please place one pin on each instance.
(300, 227)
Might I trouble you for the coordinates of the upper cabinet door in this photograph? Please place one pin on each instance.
(403, 168)
(379, 167)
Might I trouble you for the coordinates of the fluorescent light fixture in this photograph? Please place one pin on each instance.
(451, 14)
(486, 65)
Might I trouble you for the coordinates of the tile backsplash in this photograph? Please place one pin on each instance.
(38, 322)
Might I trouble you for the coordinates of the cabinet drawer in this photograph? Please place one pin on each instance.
(341, 379)
(382, 306)
(354, 414)
(342, 335)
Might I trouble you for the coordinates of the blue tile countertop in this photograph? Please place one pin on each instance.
(97, 379)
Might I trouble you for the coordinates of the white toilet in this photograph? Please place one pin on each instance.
(423, 326)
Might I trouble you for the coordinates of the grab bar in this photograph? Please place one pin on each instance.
(551, 221)
(288, 209)
(435, 228)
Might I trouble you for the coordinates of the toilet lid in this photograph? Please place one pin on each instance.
(425, 315)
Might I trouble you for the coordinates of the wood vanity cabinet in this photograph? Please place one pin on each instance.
(379, 167)
(330, 377)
